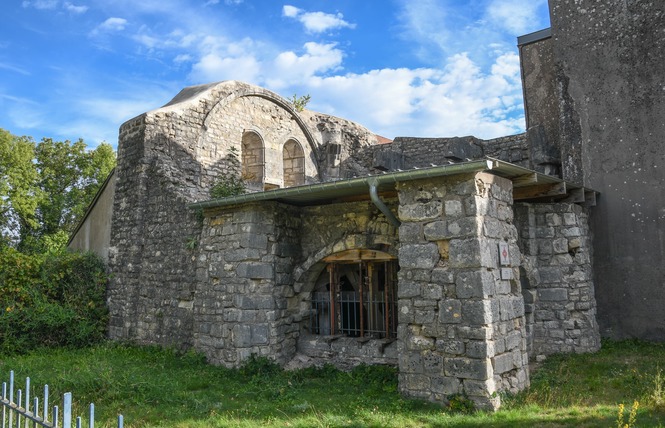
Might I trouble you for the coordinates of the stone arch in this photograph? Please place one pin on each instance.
(253, 159)
(251, 91)
(306, 273)
(293, 161)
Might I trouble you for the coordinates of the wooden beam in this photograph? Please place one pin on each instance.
(589, 198)
(525, 180)
(575, 196)
(539, 191)
(356, 255)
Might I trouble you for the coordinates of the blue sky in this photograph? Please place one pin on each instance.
(437, 68)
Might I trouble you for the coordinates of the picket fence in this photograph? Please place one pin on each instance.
(23, 413)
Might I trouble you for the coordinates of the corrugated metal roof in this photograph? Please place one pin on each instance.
(533, 185)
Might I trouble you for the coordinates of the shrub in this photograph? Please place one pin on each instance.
(231, 182)
(50, 301)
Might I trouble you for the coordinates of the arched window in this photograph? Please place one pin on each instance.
(252, 160)
(294, 164)
(356, 295)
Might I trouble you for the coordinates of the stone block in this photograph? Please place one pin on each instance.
(450, 346)
(453, 208)
(243, 254)
(255, 270)
(514, 341)
(560, 245)
(253, 240)
(492, 228)
(461, 228)
(249, 335)
(479, 387)
(553, 294)
(420, 212)
(450, 311)
(511, 307)
(424, 316)
(442, 276)
(418, 256)
(436, 230)
(254, 301)
(480, 349)
(464, 253)
(432, 291)
(479, 312)
(446, 385)
(478, 284)
(408, 289)
(410, 232)
(503, 363)
(468, 368)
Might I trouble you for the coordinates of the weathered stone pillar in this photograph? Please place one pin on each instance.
(461, 326)
(244, 278)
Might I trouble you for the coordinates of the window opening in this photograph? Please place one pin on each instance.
(252, 160)
(356, 299)
(294, 164)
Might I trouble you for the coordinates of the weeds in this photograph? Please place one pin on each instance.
(154, 387)
(632, 416)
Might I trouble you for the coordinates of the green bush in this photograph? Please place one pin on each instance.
(50, 301)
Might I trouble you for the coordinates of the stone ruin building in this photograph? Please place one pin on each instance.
(455, 259)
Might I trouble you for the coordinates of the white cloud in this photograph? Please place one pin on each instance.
(318, 58)
(459, 100)
(316, 22)
(109, 26)
(516, 16)
(41, 4)
(75, 9)
(213, 67)
(179, 59)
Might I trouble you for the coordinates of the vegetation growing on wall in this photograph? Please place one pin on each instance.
(231, 182)
(51, 300)
(299, 103)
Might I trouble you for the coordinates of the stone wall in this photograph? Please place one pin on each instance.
(169, 158)
(461, 326)
(153, 272)
(557, 279)
(243, 282)
(412, 152)
(256, 267)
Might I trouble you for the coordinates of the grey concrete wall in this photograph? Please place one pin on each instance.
(94, 233)
(610, 63)
(541, 105)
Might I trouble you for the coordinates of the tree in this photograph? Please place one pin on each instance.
(19, 193)
(46, 188)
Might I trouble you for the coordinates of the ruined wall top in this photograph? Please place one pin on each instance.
(207, 120)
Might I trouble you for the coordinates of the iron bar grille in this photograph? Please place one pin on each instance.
(369, 310)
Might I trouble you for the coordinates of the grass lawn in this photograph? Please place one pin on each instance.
(153, 387)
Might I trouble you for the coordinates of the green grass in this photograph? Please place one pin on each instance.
(153, 387)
